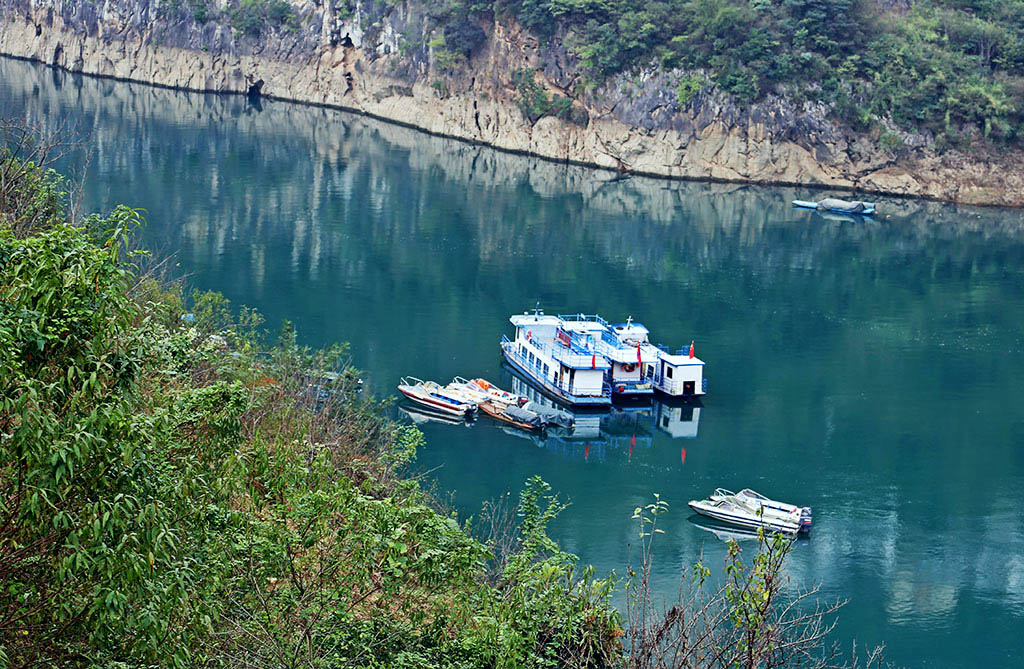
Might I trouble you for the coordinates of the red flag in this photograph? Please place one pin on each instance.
(638, 360)
(593, 361)
(691, 349)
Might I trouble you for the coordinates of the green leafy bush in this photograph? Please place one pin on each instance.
(953, 67)
(534, 101)
(250, 17)
(179, 492)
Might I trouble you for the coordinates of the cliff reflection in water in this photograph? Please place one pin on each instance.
(870, 369)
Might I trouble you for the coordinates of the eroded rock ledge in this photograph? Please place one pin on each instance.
(375, 58)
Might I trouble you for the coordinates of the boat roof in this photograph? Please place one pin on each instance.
(681, 359)
(627, 329)
(582, 326)
(523, 320)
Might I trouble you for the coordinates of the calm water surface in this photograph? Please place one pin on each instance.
(871, 369)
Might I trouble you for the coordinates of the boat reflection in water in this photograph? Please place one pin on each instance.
(598, 431)
(420, 415)
(727, 533)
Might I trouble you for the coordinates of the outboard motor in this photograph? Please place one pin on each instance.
(805, 519)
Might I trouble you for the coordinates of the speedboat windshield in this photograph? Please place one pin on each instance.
(747, 492)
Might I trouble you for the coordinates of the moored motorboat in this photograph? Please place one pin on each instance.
(432, 395)
(756, 499)
(482, 390)
(735, 511)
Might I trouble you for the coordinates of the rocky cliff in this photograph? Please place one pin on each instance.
(380, 58)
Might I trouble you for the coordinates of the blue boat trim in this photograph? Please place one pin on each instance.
(549, 388)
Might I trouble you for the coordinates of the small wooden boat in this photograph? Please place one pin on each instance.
(433, 396)
(838, 206)
(513, 415)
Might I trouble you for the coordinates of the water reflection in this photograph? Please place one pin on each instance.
(618, 430)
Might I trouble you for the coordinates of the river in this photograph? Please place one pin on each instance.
(869, 368)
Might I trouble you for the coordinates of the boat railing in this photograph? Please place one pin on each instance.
(582, 359)
(583, 318)
(573, 356)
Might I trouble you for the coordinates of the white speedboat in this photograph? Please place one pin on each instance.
(735, 511)
(431, 395)
(756, 499)
(482, 390)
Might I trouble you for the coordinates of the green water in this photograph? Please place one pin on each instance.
(871, 369)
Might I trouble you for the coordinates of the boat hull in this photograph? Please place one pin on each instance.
(744, 521)
(549, 388)
(868, 210)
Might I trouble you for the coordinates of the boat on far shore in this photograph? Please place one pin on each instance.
(838, 206)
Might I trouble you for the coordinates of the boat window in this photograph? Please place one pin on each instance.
(546, 370)
(668, 372)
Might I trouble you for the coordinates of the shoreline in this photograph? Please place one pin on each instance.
(511, 151)
(774, 144)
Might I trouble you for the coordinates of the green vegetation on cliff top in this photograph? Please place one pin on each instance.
(952, 67)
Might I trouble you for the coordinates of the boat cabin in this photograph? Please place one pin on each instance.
(677, 374)
(624, 346)
(631, 355)
(564, 362)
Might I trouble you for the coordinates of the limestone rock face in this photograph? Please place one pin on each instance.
(375, 57)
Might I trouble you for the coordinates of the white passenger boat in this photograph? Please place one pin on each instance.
(756, 499)
(482, 390)
(582, 359)
(625, 347)
(735, 511)
(431, 395)
(564, 364)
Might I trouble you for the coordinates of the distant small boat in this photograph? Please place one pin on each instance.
(838, 206)
(433, 396)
